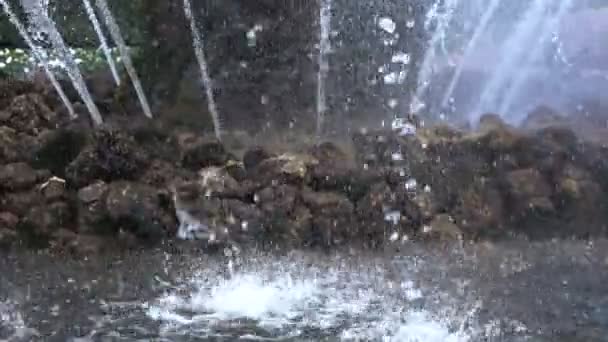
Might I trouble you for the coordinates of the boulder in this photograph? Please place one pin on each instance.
(443, 228)
(285, 169)
(55, 149)
(92, 215)
(200, 152)
(113, 156)
(137, 208)
(18, 176)
(333, 217)
(254, 156)
(12, 148)
(28, 113)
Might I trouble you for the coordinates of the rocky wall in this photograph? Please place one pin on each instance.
(66, 186)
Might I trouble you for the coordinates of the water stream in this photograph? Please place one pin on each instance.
(197, 42)
(102, 40)
(114, 30)
(323, 62)
(38, 56)
(40, 21)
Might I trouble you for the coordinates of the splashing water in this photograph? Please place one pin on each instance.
(199, 51)
(114, 30)
(12, 324)
(102, 40)
(323, 68)
(38, 56)
(436, 42)
(549, 27)
(37, 12)
(471, 45)
(274, 299)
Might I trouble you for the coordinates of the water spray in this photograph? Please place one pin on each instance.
(114, 30)
(199, 51)
(102, 40)
(38, 56)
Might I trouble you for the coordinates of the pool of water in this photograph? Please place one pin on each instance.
(508, 291)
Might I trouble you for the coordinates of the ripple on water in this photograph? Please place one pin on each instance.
(284, 299)
(12, 325)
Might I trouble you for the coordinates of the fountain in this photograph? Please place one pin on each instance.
(549, 27)
(472, 44)
(114, 30)
(513, 52)
(437, 40)
(323, 67)
(199, 51)
(102, 40)
(38, 13)
(38, 56)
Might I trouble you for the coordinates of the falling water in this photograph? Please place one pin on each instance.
(102, 39)
(549, 27)
(197, 42)
(437, 41)
(513, 51)
(481, 28)
(38, 12)
(124, 54)
(324, 49)
(38, 56)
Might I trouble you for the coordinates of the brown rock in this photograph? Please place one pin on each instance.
(17, 176)
(8, 220)
(54, 189)
(253, 157)
(529, 190)
(92, 193)
(443, 228)
(279, 199)
(136, 208)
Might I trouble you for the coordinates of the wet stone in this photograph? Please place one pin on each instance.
(17, 176)
(136, 208)
(253, 157)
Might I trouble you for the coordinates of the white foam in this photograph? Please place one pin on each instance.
(12, 322)
(286, 298)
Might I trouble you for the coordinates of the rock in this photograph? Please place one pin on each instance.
(215, 181)
(491, 122)
(581, 203)
(382, 210)
(11, 147)
(443, 228)
(54, 189)
(56, 149)
(284, 169)
(92, 214)
(253, 157)
(161, 174)
(17, 176)
(479, 210)
(198, 152)
(8, 221)
(19, 203)
(42, 220)
(66, 241)
(528, 189)
(332, 217)
(92, 193)
(245, 221)
(136, 208)
(29, 113)
(277, 199)
(113, 156)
